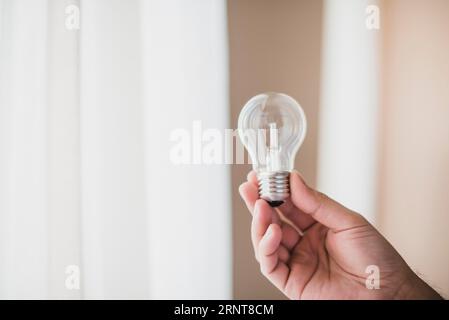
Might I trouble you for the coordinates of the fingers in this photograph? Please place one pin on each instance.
(269, 245)
(269, 252)
(290, 236)
(262, 218)
(267, 238)
(252, 177)
(300, 219)
(250, 194)
(323, 209)
(249, 191)
(283, 253)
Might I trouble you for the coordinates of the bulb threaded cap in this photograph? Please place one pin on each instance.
(274, 187)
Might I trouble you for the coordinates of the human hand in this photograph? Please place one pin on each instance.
(330, 259)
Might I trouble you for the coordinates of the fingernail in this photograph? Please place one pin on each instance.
(299, 175)
(269, 231)
(240, 189)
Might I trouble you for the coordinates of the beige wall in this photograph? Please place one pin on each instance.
(274, 46)
(414, 184)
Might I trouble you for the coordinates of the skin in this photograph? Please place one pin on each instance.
(329, 261)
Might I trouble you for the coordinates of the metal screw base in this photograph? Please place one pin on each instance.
(274, 187)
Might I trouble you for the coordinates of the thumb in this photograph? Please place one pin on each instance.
(323, 209)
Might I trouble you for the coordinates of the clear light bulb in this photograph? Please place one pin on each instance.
(272, 127)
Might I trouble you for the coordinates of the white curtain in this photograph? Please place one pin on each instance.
(85, 174)
(349, 108)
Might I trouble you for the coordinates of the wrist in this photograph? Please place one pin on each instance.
(414, 288)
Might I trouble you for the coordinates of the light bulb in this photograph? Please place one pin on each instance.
(272, 127)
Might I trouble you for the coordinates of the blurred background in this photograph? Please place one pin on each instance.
(91, 93)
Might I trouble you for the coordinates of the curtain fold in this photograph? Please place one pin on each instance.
(349, 107)
(185, 71)
(112, 157)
